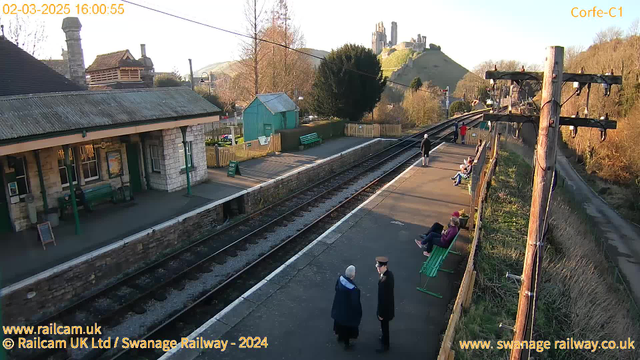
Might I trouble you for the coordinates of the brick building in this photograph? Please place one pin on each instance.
(55, 136)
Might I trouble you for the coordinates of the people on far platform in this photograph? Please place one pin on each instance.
(463, 132)
(478, 147)
(442, 239)
(464, 173)
(455, 131)
(347, 309)
(425, 148)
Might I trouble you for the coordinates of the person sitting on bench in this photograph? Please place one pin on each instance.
(464, 173)
(437, 227)
(440, 239)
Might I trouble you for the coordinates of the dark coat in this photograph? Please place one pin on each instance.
(386, 307)
(346, 309)
(425, 146)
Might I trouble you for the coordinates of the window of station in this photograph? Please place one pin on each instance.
(64, 178)
(89, 162)
(19, 183)
(155, 158)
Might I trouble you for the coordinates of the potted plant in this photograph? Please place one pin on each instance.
(464, 218)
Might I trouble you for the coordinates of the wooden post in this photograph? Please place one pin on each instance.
(469, 295)
(546, 159)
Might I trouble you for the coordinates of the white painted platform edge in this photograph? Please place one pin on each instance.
(121, 243)
(230, 307)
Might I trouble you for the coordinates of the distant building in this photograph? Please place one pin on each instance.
(117, 70)
(268, 113)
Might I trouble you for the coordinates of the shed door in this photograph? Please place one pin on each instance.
(268, 129)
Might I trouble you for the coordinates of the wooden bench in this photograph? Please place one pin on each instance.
(431, 267)
(97, 195)
(310, 139)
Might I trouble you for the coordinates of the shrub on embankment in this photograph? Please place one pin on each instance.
(577, 299)
(325, 129)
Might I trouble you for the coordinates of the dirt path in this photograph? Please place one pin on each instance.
(622, 236)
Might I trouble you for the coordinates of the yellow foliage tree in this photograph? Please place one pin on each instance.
(423, 107)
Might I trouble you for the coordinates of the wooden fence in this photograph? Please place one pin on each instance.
(372, 130)
(465, 292)
(221, 156)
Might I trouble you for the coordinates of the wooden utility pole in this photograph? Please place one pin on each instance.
(545, 165)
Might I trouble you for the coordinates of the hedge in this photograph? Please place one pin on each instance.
(325, 129)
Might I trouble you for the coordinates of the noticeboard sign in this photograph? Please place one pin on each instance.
(234, 168)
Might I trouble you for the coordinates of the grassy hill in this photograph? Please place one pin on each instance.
(395, 60)
(431, 65)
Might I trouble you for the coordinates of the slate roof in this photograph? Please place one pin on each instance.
(25, 117)
(21, 73)
(277, 102)
(60, 66)
(113, 60)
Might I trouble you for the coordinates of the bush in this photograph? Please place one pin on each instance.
(290, 138)
(459, 107)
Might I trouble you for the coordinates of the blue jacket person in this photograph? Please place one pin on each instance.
(385, 300)
(347, 309)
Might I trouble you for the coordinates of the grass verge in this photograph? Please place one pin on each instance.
(577, 298)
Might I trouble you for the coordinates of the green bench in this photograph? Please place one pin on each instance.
(310, 139)
(431, 267)
(97, 195)
(92, 197)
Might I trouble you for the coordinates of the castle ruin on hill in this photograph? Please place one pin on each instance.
(379, 40)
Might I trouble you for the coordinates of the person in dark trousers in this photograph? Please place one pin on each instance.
(425, 147)
(442, 240)
(463, 132)
(386, 305)
(347, 309)
(437, 227)
(455, 131)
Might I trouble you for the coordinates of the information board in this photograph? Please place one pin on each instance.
(234, 168)
(45, 234)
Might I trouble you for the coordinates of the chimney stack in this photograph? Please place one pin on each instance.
(143, 51)
(71, 27)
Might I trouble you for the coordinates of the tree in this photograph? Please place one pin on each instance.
(459, 107)
(27, 34)
(416, 84)
(608, 34)
(173, 79)
(348, 83)
(250, 56)
(472, 87)
(423, 107)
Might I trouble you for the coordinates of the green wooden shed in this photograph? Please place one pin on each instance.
(268, 113)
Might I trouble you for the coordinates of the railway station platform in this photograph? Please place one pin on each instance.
(22, 255)
(292, 306)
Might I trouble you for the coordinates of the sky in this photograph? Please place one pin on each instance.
(469, 31)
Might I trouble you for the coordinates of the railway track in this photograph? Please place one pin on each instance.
(172, 297)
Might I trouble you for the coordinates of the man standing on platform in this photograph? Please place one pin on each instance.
(455, 131)
(385, 301)
(425, 147)
(463, 132)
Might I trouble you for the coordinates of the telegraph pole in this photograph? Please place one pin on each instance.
(191, 72)
(544, 168)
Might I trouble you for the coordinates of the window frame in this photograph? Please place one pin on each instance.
(95, 159)
(24, 177)
(73, 166)
(154, 155)
(189, 153)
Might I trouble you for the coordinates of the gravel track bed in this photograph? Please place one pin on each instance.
(136, 325)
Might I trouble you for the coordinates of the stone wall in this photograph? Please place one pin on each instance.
(174, 159)
(97, 270)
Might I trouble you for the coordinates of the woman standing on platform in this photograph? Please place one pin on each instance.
(346, 310)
